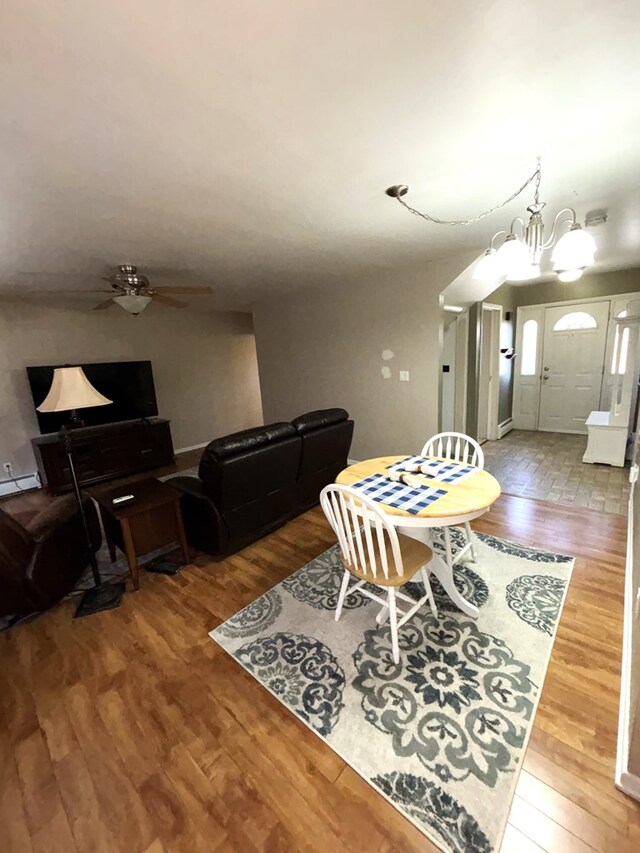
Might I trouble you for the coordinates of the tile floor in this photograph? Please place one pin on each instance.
(549, 465)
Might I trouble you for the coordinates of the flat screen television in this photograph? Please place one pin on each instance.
(128, 383)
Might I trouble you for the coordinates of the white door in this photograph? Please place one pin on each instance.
(572, 365)
(484, 385)
(448, 376)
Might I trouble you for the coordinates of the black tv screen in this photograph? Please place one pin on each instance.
(128, 383)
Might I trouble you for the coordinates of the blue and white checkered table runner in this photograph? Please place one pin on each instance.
(380, 489)
(444, 472)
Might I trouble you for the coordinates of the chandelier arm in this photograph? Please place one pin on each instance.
(486, 213)
(497, 234)
(522, 225)
(552, 237)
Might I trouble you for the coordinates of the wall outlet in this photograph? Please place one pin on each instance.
(8, 467)
(404, 376)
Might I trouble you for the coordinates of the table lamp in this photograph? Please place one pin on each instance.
(71, 390)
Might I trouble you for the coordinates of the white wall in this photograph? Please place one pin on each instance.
(323, 348)
(204, 366)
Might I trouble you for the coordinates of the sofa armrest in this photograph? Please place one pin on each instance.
(57, 511)
(205, 528)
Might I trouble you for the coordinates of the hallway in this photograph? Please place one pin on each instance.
(549, 466)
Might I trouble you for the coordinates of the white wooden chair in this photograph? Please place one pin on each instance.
(457, 447)
(373, 552)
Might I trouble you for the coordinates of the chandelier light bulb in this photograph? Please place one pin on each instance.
(524, 272)
(570, 275)
(574, 250)
(489, 268)
(513, 253)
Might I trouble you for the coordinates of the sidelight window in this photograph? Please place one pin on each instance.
(529, 348)
(619, 364)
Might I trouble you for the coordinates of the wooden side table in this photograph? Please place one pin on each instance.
(152, 521)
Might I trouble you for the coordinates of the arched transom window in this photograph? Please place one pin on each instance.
(574, 321)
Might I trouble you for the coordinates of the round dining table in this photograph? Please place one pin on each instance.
(465, 500)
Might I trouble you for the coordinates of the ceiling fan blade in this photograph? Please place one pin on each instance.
(182, 289)
(101, 305)
(168, 301)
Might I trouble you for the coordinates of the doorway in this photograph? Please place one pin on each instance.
(563, 370)
(455, 349)
(488, 370)
(572, 366)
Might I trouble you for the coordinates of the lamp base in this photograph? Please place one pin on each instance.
(107, 596)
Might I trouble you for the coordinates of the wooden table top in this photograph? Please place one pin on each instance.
(148, 494)
(473, 494)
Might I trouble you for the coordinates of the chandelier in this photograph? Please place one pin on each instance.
(517, 258)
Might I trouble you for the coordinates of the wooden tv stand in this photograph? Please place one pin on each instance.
(103, 452)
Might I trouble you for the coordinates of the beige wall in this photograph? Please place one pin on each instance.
(204, 366)
(587, 287)
(318, 349)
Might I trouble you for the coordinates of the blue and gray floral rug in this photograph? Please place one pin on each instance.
(442, 733)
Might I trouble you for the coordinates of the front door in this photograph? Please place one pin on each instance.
(572, 365)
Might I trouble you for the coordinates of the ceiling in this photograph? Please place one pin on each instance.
(247, 145)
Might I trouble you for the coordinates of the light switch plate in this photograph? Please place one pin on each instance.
(404, 376)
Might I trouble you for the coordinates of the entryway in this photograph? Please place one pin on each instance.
(563, 363)
(548, 466)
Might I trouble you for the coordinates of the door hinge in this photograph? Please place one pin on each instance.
(633, 474)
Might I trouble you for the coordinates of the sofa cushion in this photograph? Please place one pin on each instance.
(247, 440)
(319, 418)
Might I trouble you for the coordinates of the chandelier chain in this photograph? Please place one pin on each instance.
(535, 176)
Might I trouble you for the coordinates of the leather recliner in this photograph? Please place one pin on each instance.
(326, 438)
(251, 482)
(41, 561)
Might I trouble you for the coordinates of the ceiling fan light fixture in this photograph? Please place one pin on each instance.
(134, 303)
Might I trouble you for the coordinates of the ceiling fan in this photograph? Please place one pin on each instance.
(133, 291)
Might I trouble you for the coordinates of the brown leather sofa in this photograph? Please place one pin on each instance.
(41, 561)
(251, 482)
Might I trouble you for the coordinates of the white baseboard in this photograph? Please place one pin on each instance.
(20, 484)
(505, 427)
(193, 447)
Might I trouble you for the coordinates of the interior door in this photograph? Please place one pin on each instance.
(448, 377)
(572, 365)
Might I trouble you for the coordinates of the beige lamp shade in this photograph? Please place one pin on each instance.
(70, 389)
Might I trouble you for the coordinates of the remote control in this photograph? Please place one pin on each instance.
(124, 499)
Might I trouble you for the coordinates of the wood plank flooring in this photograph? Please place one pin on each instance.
(131, 731)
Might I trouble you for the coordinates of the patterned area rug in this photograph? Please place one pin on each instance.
(441, 734)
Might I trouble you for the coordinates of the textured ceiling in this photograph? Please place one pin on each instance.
(247, 145)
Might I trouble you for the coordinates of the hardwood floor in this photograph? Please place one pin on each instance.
(131, 731)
